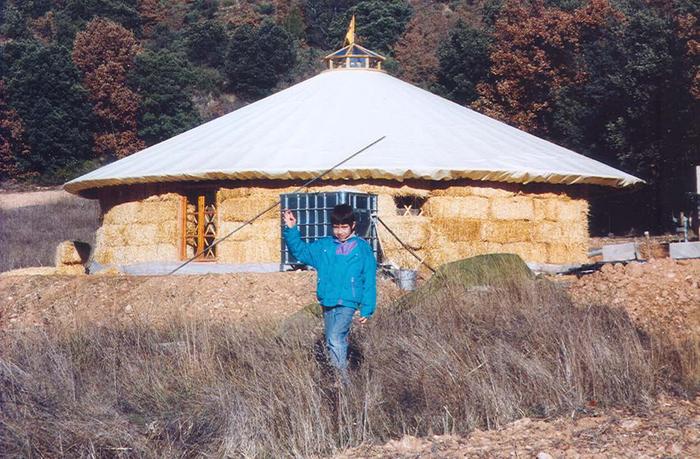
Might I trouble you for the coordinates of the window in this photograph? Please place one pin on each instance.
(409, 205)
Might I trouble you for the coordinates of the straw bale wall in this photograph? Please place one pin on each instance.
(541, 223)
(458, 219)
(139, 230)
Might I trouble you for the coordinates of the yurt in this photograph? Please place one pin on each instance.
(448, 181)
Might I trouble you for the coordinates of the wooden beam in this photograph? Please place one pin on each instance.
(200, 223)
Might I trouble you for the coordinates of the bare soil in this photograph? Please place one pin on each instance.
(661, 295)
(671, 429)
(27, 301)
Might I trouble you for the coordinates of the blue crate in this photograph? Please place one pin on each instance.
(313, 212)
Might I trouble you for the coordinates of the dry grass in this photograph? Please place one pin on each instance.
(461, 357)
(29, 235)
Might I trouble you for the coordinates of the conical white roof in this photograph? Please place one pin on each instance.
(301, 131)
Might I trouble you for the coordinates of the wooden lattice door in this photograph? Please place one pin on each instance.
(199, 226)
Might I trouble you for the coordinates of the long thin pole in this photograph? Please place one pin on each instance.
(277, 203)
(405, 246)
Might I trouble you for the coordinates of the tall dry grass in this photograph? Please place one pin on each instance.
(460, 358)
(29, 235)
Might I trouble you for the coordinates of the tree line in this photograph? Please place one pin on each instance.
(85, 82)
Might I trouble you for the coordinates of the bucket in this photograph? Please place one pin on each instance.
(407, 279)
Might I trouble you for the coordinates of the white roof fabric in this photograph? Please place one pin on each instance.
(302, 131)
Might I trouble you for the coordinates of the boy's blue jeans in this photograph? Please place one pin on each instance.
(337, 321)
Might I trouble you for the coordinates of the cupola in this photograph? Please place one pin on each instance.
(352, 55)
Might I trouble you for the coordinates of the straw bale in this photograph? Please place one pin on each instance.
(249, 251)
(457, 229)
(167, 232)
(158, 211)
(545, 209)
(507, 191)
(576, 252)
(386, 207)
(560, 232)
(571, 210)
(506, 231)
(139, 254)
(110, 236)
(67, 254)
(514, 208)
(528, 251)
(140, 235)
(550, 195)
(483, 191)
(549, 231)
(385, 187)
(103, 254)
(413, 231)
(398, 255)
(260, 230)
(122, 214)
(242, 234)
(452, 251)
(227, 193)
(166, 197)
(464, 207)
(242, 209)
(452, 191)
(70, 270)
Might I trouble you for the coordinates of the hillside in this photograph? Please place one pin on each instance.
(119, 75)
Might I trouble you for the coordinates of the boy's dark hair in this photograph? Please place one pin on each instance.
(343, 214)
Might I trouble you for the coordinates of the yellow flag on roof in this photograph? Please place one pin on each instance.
(350, 36)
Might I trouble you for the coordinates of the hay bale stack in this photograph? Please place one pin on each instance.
(261, 242)
(459, 219)
(71, 257)
(245, 208)
(250, 251)
(513, 208)
(140, 231)
(505, 231)
(473, 207)
(142, 254)
(414, 231)
(472, 220)
(258, 242)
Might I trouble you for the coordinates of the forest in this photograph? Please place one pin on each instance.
(86, 82)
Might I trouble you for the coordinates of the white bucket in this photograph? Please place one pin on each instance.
(407, 279)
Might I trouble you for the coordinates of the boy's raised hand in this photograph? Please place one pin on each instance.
(289, 219)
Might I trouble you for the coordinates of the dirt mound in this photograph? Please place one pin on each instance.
(671, 429)
(662, 295)
(46, 300)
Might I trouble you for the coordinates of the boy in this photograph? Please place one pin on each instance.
(346, 277)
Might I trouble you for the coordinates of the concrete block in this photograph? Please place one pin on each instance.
(620, 252)
(680, 250)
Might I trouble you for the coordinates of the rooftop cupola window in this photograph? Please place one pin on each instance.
(352, 55)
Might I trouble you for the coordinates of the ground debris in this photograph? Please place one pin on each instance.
(671, 429)
(661, 295)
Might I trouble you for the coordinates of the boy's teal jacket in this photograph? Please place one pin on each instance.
(346, 270)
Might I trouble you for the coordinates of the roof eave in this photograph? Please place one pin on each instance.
(83, 187)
